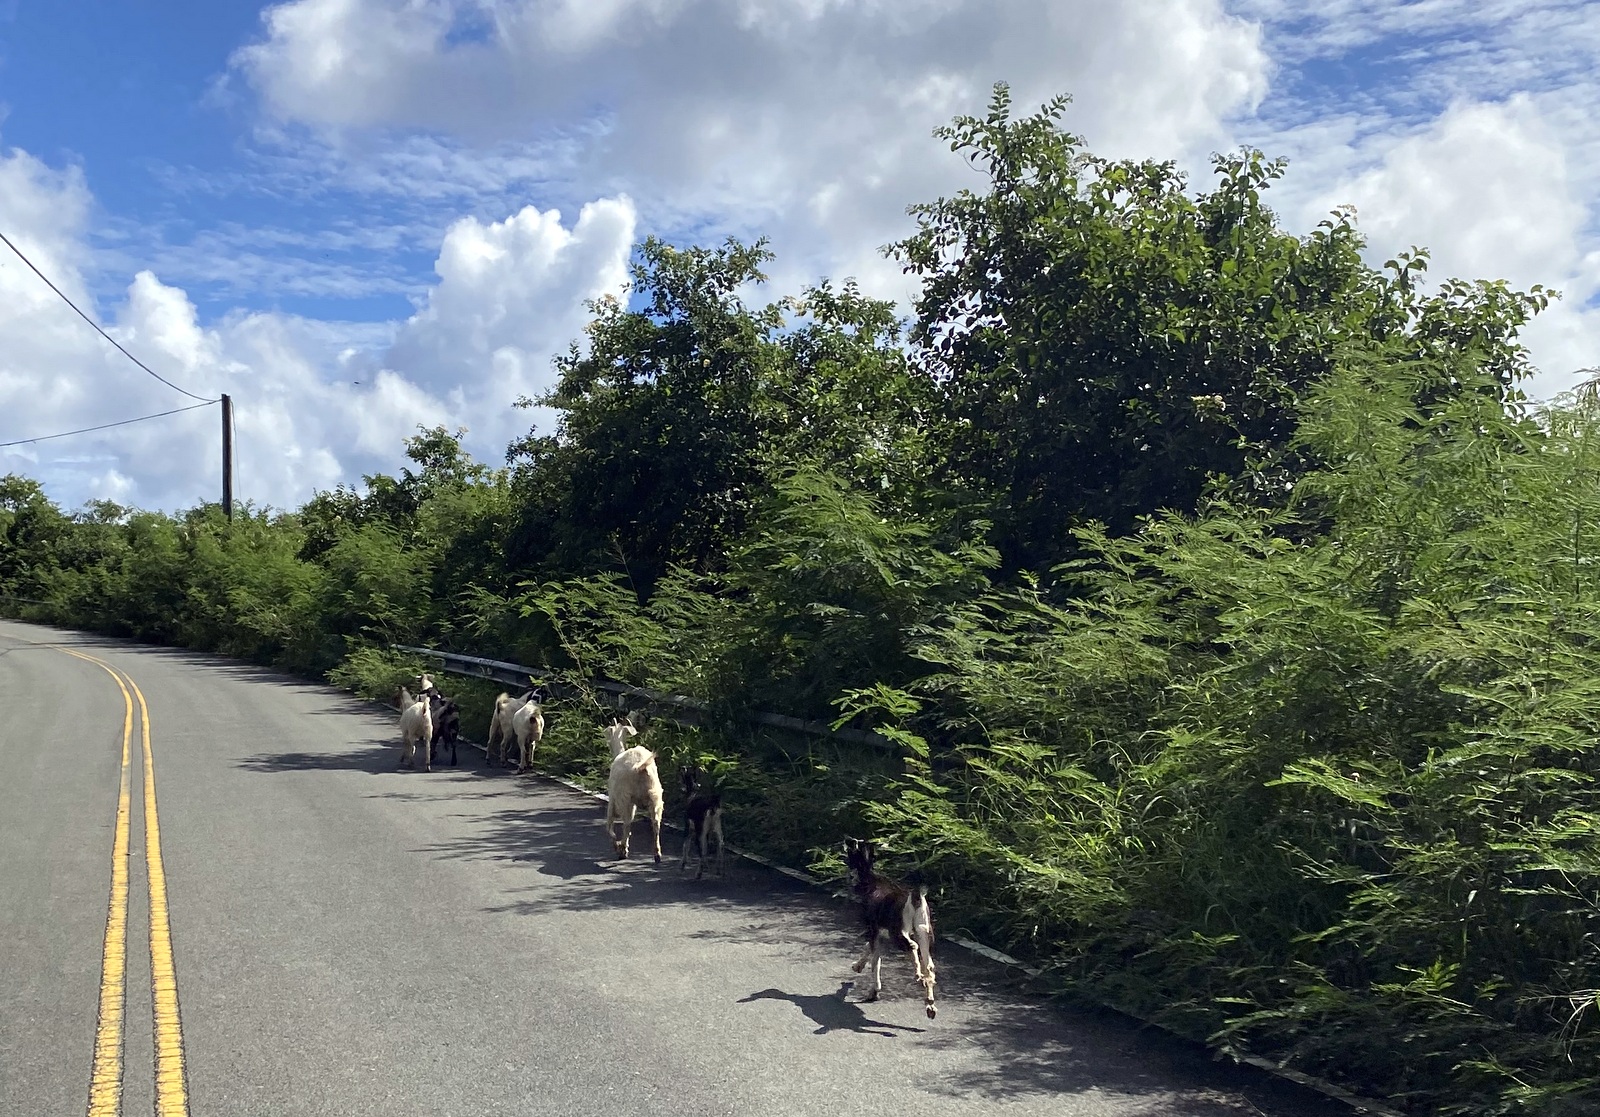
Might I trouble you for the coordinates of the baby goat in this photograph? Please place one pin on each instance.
(890, 908)
(416, 728)
(702, 817)
(446, 717)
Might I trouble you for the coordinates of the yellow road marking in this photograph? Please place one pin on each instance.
(172, 1091)
(105, 1076)
(105, 1080)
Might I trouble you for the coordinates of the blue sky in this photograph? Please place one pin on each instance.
(358, 216)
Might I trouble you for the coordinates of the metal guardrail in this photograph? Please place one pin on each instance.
(693, 710)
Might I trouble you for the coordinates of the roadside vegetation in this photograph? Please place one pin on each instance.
(1234, 615)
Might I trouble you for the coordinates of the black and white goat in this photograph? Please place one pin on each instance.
(702, 813)
(893, 909)
(446, 718)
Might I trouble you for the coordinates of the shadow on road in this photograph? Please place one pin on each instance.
(832, 1013)
(375, 756)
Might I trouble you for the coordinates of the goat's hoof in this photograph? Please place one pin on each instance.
(872, 996)
(858, 967)
(932, 1012)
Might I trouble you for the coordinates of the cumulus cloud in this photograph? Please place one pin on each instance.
(1470, 128)
(1492, 190)
(317, 402)
(808, 121)
(522, 144)
(510, 295)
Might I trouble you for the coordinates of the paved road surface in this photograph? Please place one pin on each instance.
(352, 939)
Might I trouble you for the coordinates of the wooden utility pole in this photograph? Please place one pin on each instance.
(227, 456)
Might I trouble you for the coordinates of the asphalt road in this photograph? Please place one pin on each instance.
(350, 938)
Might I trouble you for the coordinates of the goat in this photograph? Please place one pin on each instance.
(891, 908)
(634, 784)
(527, 725)
(446, 718)
(416, 728)
(702, 817)
(501, 733)
(618, 733)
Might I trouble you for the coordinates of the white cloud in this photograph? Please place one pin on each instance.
(1492, 190)
(510, 294)
(808, 121)
(317, 403)
(405, 126)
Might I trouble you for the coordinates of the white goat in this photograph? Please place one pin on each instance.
(617, 735)
(416, 728)
(527, 725)
(501, 732)
(634, 785)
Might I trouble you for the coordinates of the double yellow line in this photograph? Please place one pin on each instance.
(105, 1080)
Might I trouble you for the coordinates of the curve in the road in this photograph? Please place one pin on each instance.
(105, 1077)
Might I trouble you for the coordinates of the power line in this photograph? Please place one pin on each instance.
(99, 331)
(107, 426)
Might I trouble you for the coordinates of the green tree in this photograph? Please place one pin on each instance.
(1107, 344)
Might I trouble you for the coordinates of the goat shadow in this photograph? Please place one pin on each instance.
(832, 1012)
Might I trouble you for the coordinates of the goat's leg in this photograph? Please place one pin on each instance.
(920, 943)
(927, 987)
(722, 846)
(866, 955)
(877, 972)
(627, 813)
(910, 946)
(688, 836)
(655, 828)
(700, 871)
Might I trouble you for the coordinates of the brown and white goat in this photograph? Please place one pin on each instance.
(893, 909)
(702, 819)
(416, 729)
(634, 785)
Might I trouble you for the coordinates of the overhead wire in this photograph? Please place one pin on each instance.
(99, 331)
(107, 426)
